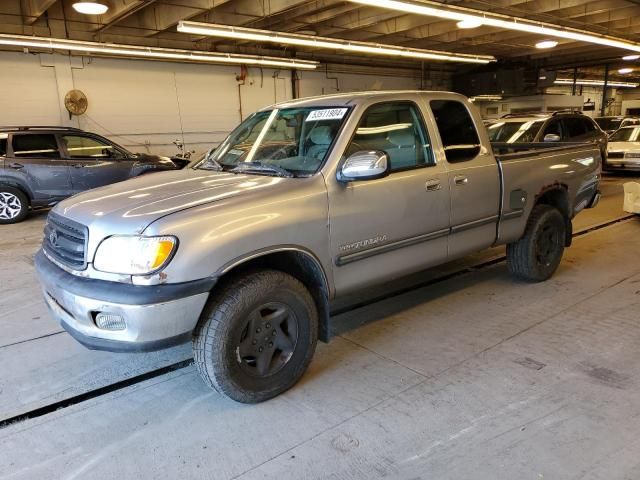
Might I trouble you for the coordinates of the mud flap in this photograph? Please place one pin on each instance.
(568, 233)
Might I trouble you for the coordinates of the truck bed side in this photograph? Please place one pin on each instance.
(569, 174)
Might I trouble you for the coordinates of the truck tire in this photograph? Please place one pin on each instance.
(536, 256)
(256, 337)
(14, 205)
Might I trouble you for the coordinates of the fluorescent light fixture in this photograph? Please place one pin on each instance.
(546, 44)
(625, 70)
(469, 24)
(115, 49)
(434, 9)
(486, 98)
(242, 33)
(595, 83)
(631, 57)
(90, 8)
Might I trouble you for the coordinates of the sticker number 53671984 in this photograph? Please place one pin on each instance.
(327, 114)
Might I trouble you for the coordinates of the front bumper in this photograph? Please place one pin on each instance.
(156, 317)
(621, 164)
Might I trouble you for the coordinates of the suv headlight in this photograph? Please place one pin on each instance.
(134, 255)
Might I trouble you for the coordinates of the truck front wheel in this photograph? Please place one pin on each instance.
(536, 256)
(256, 336)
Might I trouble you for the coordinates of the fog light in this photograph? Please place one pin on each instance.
(110, 321)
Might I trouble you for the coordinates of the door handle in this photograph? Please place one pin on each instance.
(460, 180)
(16, 166)
(78, 165)
(433, 185)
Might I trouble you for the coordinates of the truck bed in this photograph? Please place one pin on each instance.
(524, 167)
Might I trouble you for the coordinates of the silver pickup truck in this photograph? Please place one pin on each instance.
(304, 202)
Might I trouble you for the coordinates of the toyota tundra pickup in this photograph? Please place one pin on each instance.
(243, 252)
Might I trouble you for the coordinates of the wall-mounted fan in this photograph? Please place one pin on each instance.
(76, 102)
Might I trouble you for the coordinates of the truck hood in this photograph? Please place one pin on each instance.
(129, 207)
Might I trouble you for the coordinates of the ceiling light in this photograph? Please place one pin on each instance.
(242, 33)
(152, 52)
(434, 9)
(486, 98)
(546, 44)
(90, 8)
(631, 57)
(625, 70)
(594, 83)
(469, 23)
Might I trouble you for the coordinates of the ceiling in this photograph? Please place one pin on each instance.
(153, 23)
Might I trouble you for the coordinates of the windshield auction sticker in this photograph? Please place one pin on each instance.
(327, 114)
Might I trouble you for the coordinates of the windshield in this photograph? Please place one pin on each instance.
(608, 123)
(625, 135)
(514, 132)
(285, 142)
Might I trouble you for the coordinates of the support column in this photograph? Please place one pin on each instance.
(604, 90)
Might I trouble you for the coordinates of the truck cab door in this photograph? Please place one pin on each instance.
(94, 162)
(473, 179)
(387, 227)
(34, 159)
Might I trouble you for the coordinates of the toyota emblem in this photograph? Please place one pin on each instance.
(53, 237)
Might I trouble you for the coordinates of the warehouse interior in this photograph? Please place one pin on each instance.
(455, 371)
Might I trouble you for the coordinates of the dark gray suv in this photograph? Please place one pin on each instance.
(39, 166)
(561, 126)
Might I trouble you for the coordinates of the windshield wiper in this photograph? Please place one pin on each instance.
(259, 167)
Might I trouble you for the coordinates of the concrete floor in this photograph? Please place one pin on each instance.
(476, 377)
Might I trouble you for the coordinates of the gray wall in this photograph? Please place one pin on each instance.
(145, 105)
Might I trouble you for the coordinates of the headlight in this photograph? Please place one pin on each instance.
(134, 255)
(632, 155)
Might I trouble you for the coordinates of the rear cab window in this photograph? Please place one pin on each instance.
(457, 131)
(34, 145)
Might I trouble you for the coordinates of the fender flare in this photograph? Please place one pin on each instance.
(244, 258)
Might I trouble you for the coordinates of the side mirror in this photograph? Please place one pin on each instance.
(364, 165)
(552, 137)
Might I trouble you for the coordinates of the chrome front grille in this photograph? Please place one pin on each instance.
(66, 241)
(615, 155)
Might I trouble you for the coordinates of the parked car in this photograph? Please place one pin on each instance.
(39, 166)
(623, 152)
(611, 124)
(304, 202)
(561, 126)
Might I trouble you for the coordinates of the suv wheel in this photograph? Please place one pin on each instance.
(256, 336)
(536, 256)
(14, 205)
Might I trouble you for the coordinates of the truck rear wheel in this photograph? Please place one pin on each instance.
(536, 256)
(256, 337)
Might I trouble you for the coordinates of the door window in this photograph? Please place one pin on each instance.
(553, 128)
(35, 146)
(457, 130)
(79, 146)
(3, 144)
(398, 130)
(589, 126)
(573, 127)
